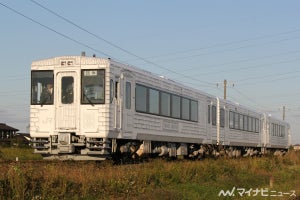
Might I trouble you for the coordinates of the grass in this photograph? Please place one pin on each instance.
(157, 179)
(22, 154)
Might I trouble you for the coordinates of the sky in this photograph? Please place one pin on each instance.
(254, 45)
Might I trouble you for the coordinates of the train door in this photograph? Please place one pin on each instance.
(127, 104)
(117, 104)
(208, 124)
(265, 131)
(66, 109)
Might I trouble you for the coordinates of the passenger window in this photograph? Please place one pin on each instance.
(185, 108)
(241, 122)
(116, 89)
(141, 98)
(236, 120)
(67, 90)
(165, 104)
(222, 117)
(111, 90)
(208, 114)
(175, 106)
(245, 123)
(214, 115)
(194, 111)
(128, 95)
(153, 101)
(231, 119)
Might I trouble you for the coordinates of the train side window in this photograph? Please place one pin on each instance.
(222, 117)
(116, 89)
(175, 105)
(208, 114)
(231, 119)
(194, 111)
(236, 120)
(185, 108)
(249, 124)
(153, 101)
(245, 123)
(253, 124)
(141, 98)
(128, 95)
(165, 104)
(214, 115)
(241, 125)
(256, 125)
(67, 89)
(111, 90)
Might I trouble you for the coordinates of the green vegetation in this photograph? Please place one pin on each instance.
(157, 179)
(11, 153)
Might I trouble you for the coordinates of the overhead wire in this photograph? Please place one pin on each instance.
(230, 43)
(55, 31)
(114, 45)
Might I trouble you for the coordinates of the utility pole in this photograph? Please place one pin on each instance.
(225, 89)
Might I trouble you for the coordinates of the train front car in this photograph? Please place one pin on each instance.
(69, 113)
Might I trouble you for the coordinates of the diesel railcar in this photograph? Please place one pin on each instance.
(89, 108)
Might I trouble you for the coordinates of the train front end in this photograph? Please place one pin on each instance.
(68, 115)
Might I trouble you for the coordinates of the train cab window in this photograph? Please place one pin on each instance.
(67, 90)
(128, 95)
(93, 86)
(42, 87)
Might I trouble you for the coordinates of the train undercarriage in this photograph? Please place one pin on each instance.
(68, 146)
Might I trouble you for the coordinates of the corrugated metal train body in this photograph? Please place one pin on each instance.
(102, 118)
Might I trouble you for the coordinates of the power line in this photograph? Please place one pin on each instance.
(247, 60)
(85, 45)
(231, 43)
(114, 45)
(256, 104)
(52, 30)
(232, 49)
(249, 67)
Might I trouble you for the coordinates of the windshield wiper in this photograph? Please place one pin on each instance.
(88, 99)
(45, 99)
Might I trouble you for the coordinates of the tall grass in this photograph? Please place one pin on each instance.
(157, 179)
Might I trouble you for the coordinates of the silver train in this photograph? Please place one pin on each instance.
(88, 108)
